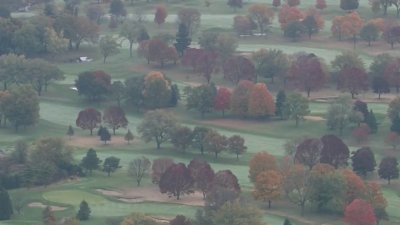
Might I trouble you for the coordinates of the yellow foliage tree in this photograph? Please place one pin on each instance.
(261, 102)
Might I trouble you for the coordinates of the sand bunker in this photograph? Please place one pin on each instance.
(314, 118)
(152, 194)
(42, 206)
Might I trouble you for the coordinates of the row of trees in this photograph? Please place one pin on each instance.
(301, 184)
(152, 91)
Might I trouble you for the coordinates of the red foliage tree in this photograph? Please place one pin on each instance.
(88, 119)
(361, 133)
(308, 152)
(160, 14)
(114, 117)
(157, 50)
(353, 80)
(307, 73)
(159, 167)
(320, 4)
(202, 174)
(359, 212)
(222, 101)
(334, 152)
(176, 181)
(227, 180)
(239, 68)
(292, 3)
(276, 3)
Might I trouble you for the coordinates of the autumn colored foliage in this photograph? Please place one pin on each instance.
(115, 118)
(244, 25)
(262, 15)
(160, 14)
(261, 102)
(320, 4)
(227, 180)
(289, 15)
(354, 186)
(353, 80)
(222, 101)
(307, 73)
(359, 212)
(240, 98)
(176, 181)
(308, 152)
(334, 152)
(88, 119)
(202, 174)
(238, 68)
(268, 186)
(261, 162)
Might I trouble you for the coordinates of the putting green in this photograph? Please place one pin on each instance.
(73, 197)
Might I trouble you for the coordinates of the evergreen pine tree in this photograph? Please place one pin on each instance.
(371, 122)
(279, 104)
(105, 135)
(84, 211)
(100, 131)
(143, 35)
(129, 136)
(395, 125)
(70, 132)
(182, 39)
(90, 162)
(6, 209)
(287, 222)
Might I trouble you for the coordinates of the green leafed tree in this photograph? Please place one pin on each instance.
(111, 164)
(21, 107)
(70, 131)
(157, 126)
(296, 107)
(201, 98)
(90, 162)
(129, 136)
(182, 39)
(237, 213)
(84, 211)
(279, 104)
(130, 31)
(108, 46)
(236, 145)
(6, 209)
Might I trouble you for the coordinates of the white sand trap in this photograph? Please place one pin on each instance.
(42, 206)
(314, 118)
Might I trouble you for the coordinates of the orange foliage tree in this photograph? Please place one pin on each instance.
(240, 98)
(261, 162)
(349, 25)
(393, 139)
(355, 187)
(268, 186)
(289, 15)
(262, 15)
(261, 102)
(376, 198)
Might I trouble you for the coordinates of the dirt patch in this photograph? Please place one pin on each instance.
(314, 118)
(152, 194)
(94, 141)
(42, 206)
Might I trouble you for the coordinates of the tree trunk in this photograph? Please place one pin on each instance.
(104, 59)
(114, 130)
(216, 155)
(308, 93)
(108, 172)
(202, 149)
(130, 48)
(297, 122)
(369, 43)
(4, 85)
(354, 41)
(379, 95)
(178, 195)
(91, 132)
(352, 95)
(389, 180)
(237, 156)
(269, 204)
(158, 145)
